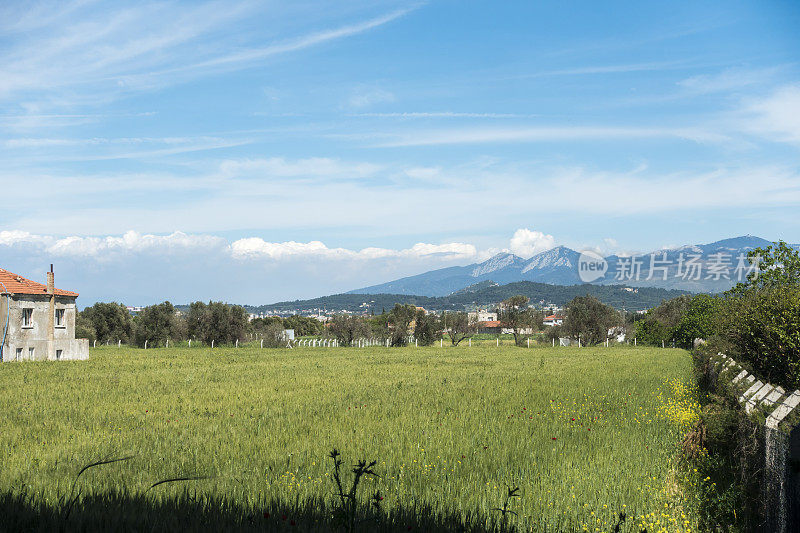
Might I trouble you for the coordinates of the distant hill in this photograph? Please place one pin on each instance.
(484, 294)
(559, 266)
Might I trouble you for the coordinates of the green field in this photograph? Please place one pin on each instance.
(584, 433)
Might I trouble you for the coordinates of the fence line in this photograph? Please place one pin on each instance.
(779, 440)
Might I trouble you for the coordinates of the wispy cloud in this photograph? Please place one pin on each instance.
(443, 114)
(477, 135)
(369, 96)
(292, 45)
(728, 80)
(85, 55)
(106, 149)
(313, 167)
(775, 116)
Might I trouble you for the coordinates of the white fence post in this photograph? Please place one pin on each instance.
(212, 344)
(145, 344)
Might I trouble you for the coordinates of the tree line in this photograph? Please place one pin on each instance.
(202, 322)
(220, 323)
(757, 321)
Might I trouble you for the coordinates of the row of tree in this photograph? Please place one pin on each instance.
(758, 321)
(222, 323)
(215, 322)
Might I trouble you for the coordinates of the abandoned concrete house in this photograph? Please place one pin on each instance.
(37, 322)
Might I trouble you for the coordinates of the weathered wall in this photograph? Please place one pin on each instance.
(35, 336)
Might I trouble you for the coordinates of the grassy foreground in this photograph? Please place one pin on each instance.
(584, 433)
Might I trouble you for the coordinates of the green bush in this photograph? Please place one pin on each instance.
(764, 325)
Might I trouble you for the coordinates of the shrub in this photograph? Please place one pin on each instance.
(427, 328)
(589, 319)
(764, 325)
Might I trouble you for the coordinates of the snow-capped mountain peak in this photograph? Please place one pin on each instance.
(495, 263)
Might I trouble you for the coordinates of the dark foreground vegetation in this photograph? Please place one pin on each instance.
(118, 511)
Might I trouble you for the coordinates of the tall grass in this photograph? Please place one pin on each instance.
(584, 433)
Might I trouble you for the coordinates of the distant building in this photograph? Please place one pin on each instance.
(37, 322)
(483, 316)
(489, 326)
(553, 320)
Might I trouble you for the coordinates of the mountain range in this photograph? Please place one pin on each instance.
(482, 294)
(712, 267)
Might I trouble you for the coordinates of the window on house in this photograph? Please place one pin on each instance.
(19, 354)
(60, 318)
(58, 354)
(27, 318)
(30, 353)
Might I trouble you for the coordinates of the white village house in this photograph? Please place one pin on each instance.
(37, 322)
(553, 320)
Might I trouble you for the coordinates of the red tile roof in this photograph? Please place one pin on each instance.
(554, 317)
(18, 285)
(490, 323)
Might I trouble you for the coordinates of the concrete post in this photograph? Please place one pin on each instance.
(470, 342)
(145, 344)
(262, 344)
(212, 344)
(190, 343)
(237, 343)
(119, 343)
(529, 343)
(94, 344)
(498, 342)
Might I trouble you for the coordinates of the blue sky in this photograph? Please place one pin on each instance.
(259, 151)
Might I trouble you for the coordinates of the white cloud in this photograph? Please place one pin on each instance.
(546, 134)
(526, 243)
(310, 167)
(423, 173)
(93, 54)
(727, 80)
(776, 116)
(444, 114)
(111, 247)
(133, 243)
(367, 97)
(255, 247)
